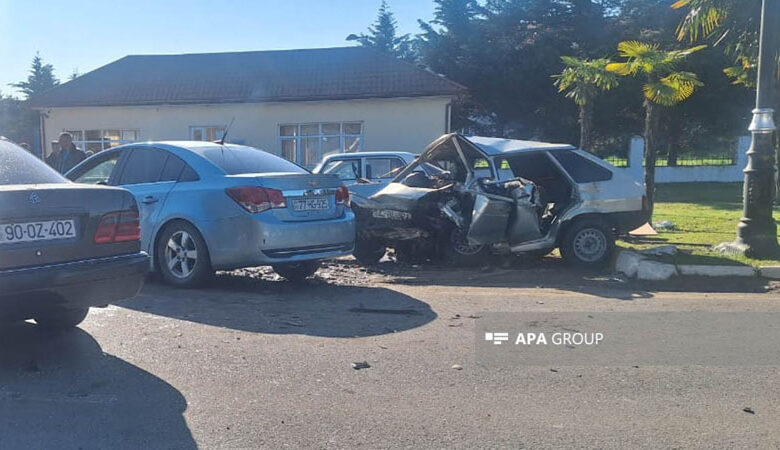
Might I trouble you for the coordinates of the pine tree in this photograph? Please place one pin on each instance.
(40, 79)
(382, 35)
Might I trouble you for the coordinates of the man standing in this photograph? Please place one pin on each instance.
(65, 155)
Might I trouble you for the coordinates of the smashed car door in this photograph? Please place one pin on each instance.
(525, 223)
(505, 211)
(489, 219)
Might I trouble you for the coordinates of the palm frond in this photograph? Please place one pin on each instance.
(582, 79)
(636, 49)
(673, 88)
(622, 68)
(660, 93)
(703, 19)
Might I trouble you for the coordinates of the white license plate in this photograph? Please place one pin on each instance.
(310, 204)
(12, 233)
(391, 214)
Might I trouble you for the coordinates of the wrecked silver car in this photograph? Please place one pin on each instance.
(468, 197)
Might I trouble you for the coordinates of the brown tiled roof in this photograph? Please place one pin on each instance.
(245, 77)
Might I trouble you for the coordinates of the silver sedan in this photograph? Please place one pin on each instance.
(206, 206)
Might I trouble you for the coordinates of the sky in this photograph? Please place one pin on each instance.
(83, 35)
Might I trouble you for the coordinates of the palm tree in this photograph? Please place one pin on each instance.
(582, 80)
(729, 24)
(664, 86)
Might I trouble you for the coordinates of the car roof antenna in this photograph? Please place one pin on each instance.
(227, 130)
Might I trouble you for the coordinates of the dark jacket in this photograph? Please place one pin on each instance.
(65, 160)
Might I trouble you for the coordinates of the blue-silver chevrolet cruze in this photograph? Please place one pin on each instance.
(207, 206)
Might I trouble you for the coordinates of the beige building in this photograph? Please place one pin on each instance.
(300, 104)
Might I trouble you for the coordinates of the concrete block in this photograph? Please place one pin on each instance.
(627, 263)
(771, 272)
(716, 271)
(654, 270)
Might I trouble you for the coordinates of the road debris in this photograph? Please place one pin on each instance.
(361, 365)
(748, 410)
(457, 367)
(664, 225)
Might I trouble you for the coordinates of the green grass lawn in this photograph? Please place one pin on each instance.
(704, 214)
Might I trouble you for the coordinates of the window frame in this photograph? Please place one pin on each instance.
(203, 129)
(297, 137)
(105, 144)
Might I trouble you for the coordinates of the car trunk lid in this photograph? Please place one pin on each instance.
(54, 223)
(306, 196)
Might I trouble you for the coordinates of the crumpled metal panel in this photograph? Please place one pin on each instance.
(525, 226)
(489, 219)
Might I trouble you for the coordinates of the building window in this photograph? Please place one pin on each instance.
(308, 143)
(207, 133)
(98, 140)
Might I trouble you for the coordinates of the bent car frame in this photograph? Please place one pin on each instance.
(469, 196)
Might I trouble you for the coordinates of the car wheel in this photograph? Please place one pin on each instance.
(588, 243)
(61, 318)
(456, 249)
(298, 271)
(368, 252)
(182, 256)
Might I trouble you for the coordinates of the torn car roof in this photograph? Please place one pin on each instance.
(497, 146)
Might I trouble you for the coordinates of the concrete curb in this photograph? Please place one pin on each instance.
(771, 272)
(636, 265)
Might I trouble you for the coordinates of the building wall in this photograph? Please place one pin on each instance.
(401, 124)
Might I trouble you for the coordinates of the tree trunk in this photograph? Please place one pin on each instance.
(671, 153)
(651, 131)
(586, 115)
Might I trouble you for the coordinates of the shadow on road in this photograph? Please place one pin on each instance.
(280, 307)
(62, 391)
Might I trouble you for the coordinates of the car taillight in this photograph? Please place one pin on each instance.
(118, 226)
(342, 195)
(257, 199)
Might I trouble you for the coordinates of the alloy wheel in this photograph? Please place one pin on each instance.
(181, 254)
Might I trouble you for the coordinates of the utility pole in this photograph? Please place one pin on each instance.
(757, 230)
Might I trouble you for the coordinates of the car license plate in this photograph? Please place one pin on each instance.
(310, 204)
(391, 214)
(12, 233)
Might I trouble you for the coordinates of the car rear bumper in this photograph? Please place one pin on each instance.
(78, 284)
(264, 240)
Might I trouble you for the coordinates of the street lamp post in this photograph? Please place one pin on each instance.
(757, 230)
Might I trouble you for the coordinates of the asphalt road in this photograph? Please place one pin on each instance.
(256, 362)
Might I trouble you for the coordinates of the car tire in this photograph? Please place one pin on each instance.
(182, 256)
(297, 272)
(368, 252)
(455, 250)
(61, 318)
(588, 243)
